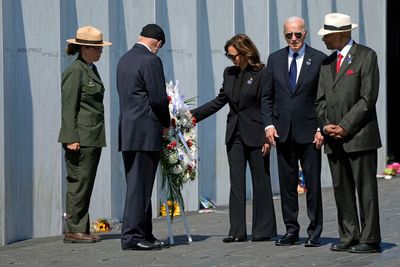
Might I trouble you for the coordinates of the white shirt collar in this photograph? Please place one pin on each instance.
(144, 45)
(301, 52)
(346, 49)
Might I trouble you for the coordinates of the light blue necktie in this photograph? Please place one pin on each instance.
(293, 72)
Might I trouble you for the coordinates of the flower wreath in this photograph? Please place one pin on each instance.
(179, 146)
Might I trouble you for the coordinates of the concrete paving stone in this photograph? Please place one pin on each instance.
(207, 248)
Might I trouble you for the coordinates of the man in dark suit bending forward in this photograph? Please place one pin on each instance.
(143, 114)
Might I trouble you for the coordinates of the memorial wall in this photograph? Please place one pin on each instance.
(32, 59)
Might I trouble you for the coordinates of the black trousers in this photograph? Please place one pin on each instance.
(353, 172)
(140, 170)
(81, 173)
(289, 153)
(264, 222)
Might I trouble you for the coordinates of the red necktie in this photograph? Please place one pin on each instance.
(339, 60)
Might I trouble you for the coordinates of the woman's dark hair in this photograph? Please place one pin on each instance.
(245, 47)
(72, 49)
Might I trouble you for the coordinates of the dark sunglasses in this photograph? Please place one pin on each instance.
(289, 35)
(231, 57)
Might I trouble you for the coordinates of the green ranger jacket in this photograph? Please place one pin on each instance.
(82, 110)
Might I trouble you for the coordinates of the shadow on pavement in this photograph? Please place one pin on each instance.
(182, 239)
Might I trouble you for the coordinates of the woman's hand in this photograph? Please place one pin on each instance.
(318, 140)
(265, 149)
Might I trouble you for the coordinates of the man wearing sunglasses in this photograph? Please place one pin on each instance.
(290, 122)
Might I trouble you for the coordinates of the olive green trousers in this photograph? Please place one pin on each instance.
(81, 173)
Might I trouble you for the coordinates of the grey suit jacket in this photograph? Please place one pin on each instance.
(349, 99)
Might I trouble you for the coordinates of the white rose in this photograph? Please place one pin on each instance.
(186, 177)
(177, 169)
(172, 159)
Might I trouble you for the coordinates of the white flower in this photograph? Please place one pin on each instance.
(173, 158)
(186, 177)
(177, 169)
(179, 160)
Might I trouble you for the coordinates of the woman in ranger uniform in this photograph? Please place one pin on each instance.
(82, 130)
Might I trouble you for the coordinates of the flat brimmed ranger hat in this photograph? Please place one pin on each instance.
(337, 22)
(89, 36)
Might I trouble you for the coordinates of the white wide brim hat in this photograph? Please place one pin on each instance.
(337, 22)
(89, 36)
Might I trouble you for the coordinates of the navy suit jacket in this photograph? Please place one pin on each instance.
(286, 110)
(143, 100)
(246, 116)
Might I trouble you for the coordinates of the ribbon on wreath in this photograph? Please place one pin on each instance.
(185, 145)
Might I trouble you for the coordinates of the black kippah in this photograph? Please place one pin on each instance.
(153, 31)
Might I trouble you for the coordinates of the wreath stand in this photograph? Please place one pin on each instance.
(169, 223)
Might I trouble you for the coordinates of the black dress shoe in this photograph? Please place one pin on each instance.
(313, 241)
(152, 239)
(143, 245)
(260, 238)
(342, 246)
(163, 244)
(288, 240)
(231, 239)
(365, 248)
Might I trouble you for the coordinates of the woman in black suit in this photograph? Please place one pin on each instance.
(245, 140)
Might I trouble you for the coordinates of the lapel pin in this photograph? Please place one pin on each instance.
(250, 81)
(349, 59)
(91, 83)
(308, 62)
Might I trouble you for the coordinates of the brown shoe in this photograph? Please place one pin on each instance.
(78, 238)
(96, 237)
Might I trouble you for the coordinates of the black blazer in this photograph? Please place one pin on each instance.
(143, 100)
(284, 109)
(246, 115)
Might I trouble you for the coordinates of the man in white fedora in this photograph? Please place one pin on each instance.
(347, 92)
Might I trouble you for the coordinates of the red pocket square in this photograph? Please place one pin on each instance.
(350, 72)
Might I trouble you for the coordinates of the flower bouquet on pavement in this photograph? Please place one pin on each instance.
(179, 147)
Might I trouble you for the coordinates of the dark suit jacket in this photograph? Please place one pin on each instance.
(246, 115)
(349, 99)
(82, 111)
(284, 109)
(143, 100)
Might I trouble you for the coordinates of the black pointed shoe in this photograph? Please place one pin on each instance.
(260, 238)
(366, 248)
(313, 241)
(231, 239)
(288, 240)
(155, 241)
(143, 245)
(342, 246)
